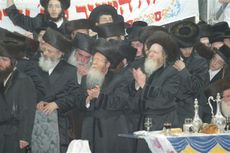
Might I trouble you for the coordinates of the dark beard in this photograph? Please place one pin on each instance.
(5, 73)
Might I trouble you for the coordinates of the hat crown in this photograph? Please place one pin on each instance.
(65, 3)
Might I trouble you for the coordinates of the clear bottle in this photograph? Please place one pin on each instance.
(219, 120)
(197, 122)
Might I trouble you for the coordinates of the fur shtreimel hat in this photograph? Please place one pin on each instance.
(127, 51)
(65, 3)
(57, 40)
(167, 42)
(224, 52)
(186, 33)
(84, 42)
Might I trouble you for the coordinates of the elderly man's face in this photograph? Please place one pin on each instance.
(216, 63)
(225, 105)
(227, 42)
(155, 59)
(100, 62)
(51, 52)
(54, 8)
(217, 45)
(82, 56)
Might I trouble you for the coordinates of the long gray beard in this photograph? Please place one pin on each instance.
(94, 78)
(47, 63)
(225, 108)
(150, 66)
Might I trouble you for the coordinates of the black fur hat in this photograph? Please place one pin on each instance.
(205, 30)
(57, 40)
(186, 33)
(110, 29)
(166, 41)
(84, 42)
(65, 3)
(70, 26)
(227, 33)
(204, 51)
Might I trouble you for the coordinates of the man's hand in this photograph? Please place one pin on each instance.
(23, 144)
(50, 107)
(179, 65)
(82, 70)
(139, 77)
(94, 93)
(41, 105)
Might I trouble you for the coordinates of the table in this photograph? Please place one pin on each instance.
(190, 143)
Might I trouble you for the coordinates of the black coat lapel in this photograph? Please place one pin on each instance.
(57, 72)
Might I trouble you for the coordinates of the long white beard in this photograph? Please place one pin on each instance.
(150, 66)
(72, 59)
(94, 78)
(47, 63)
(225, 108)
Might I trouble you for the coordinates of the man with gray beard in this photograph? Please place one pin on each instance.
(59, 78)
(103, 121)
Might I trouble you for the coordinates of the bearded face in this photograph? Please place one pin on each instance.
(47, 63)
(6, 67)
(225, 104)
(155, 59)
(94, 78)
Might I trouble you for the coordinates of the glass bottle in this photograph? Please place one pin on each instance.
(197, 122)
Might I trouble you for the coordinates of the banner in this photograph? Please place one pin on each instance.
(154, 12)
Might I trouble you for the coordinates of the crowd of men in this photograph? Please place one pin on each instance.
(95, 78)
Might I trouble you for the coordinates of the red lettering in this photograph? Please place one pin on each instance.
(157, 16)
(139, 4)
(0, 15)
(27, 12)
(82, 9)
(122, 2)
(90, 7)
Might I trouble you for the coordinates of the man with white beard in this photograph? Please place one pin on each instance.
(59, 78)
(154, 91)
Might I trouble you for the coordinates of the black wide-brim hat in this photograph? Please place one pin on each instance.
(70, 26)
(65, 3)
(127, 51)
(110, 29)
(57, 40)
(217, 37)
(186, 33)
(13, 49)
(205, 30)
(101, 10)
(224, 52)
(84, 42)
(108, 49)
(148, 31)
(167, 42)
(136, 25)
(220, 27)
(227, 33)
